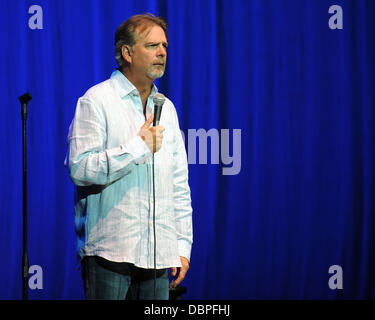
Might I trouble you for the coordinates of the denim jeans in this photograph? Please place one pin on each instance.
(132, 283)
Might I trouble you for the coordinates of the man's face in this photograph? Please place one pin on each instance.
(149, 54)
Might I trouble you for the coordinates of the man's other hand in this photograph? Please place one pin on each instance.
(181, 274)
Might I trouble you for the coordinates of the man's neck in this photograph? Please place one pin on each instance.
(143, 86)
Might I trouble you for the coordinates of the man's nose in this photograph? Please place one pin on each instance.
(161, 51)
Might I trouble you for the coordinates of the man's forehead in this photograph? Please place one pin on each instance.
(143, 33)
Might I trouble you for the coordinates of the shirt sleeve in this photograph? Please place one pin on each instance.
(181, 196)
(88, 160)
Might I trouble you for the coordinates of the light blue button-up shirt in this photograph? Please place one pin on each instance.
(111, 167)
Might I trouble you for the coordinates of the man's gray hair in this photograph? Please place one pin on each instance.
(126, 33)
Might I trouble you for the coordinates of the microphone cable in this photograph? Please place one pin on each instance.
(153, 220)
(158, 104)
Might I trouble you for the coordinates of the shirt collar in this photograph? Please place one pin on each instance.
(125, 87)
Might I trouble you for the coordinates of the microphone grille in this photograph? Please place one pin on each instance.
(159, 99)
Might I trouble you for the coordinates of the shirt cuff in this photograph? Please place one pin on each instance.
(184, 249)
(137, 149)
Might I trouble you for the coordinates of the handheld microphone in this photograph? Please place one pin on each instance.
(159, 100)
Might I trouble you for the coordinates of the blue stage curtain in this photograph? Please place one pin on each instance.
(301, 94)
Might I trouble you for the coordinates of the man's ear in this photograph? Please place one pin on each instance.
(126, 52)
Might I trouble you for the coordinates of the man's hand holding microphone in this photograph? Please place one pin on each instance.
(152, 136)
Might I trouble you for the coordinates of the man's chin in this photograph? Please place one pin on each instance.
(155, 75)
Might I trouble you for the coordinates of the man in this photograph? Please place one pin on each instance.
(110, 145)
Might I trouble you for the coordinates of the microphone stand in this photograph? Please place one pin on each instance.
(24, 99)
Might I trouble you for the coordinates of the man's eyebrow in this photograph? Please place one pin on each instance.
(154, 42)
